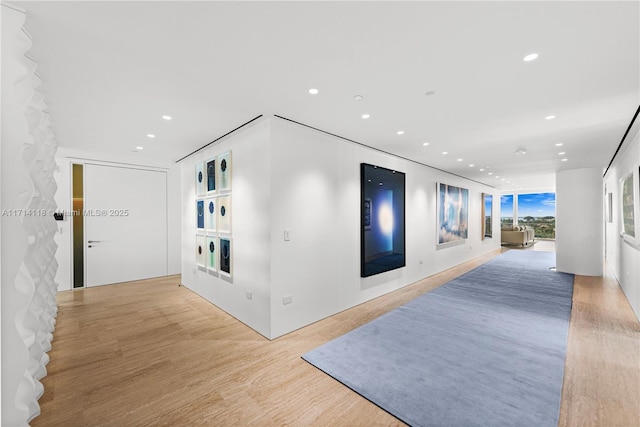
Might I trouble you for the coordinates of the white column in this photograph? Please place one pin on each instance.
(579, 222)
(28, 264)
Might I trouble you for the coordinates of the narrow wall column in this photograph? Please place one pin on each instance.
(579, 222)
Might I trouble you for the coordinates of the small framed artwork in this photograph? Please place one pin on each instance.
(609, 207)
(453, 213)
(487, 215)
(211, 244)
(629, 206)
(200, 179)
(226, 256)
(211, 176)
(224, 214)
(200, 214)
(201, 251)
(223, 178)
(211, 214)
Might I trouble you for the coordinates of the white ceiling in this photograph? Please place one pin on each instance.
(110, 70)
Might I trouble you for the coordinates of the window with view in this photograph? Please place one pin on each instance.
(506, 210)
(538, 211)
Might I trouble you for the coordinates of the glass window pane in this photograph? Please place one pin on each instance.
(538, 211)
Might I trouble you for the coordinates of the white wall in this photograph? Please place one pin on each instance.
(623, 257)
(579, 236)
(316, 195)
(65, 158)
(286, 176)
(250, 203)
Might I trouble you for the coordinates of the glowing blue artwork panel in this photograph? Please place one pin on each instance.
(382, 211)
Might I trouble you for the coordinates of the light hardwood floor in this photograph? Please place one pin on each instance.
(154, 353)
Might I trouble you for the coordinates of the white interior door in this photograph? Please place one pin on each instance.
(125, 224)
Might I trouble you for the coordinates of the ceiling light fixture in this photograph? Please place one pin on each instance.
(530, 57)
(166, 117)
(471, 165)
(564, 160)
(490, 173)
(358, 98)
(425, 144)
(139, 148)
(562, 153)
(482, 170)
(459, 160)
(400, 132)
(313, 91)
(551, 117)
(445, 152)
(365, 116)
(559, 144)
(521, 151)
(150, 135)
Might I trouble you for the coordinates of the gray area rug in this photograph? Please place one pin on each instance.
(486, 349)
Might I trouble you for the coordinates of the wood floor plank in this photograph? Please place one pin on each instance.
(152, 353)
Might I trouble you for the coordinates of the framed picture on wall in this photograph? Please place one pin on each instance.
(211, 176)
(453, 213)
(201, 251)
(487, 215)
(223, 178)
(200, 179)
(382, 220)
(225, 265)
(629, 200)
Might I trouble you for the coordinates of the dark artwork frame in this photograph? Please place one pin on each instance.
(487, 217)
(211, 175)
(382, 220)
(200, 214)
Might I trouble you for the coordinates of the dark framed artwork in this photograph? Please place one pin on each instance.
(226, 258)
(382, 214)
(211, 175)
(200, 214)
(487, 215)
(453, 213)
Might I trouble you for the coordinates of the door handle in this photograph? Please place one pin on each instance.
(93, 241)
(90, 246)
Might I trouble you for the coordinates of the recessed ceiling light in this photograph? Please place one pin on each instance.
(445, 152)
(561, 153)
(425, 144)
(380, 184)
(400, 132)
(551, 117)
(150, 135)
(166, 117)
(530, 57)
(482, 170)
(502, 179)
(313, 91)
(521, 151)
(471, 165)
(459, 160)
(497, 176)
(564, 160)
(490, 173)
(356, 98)
(559, 144)
(430, 92)
(365, 116)
(139, 148)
